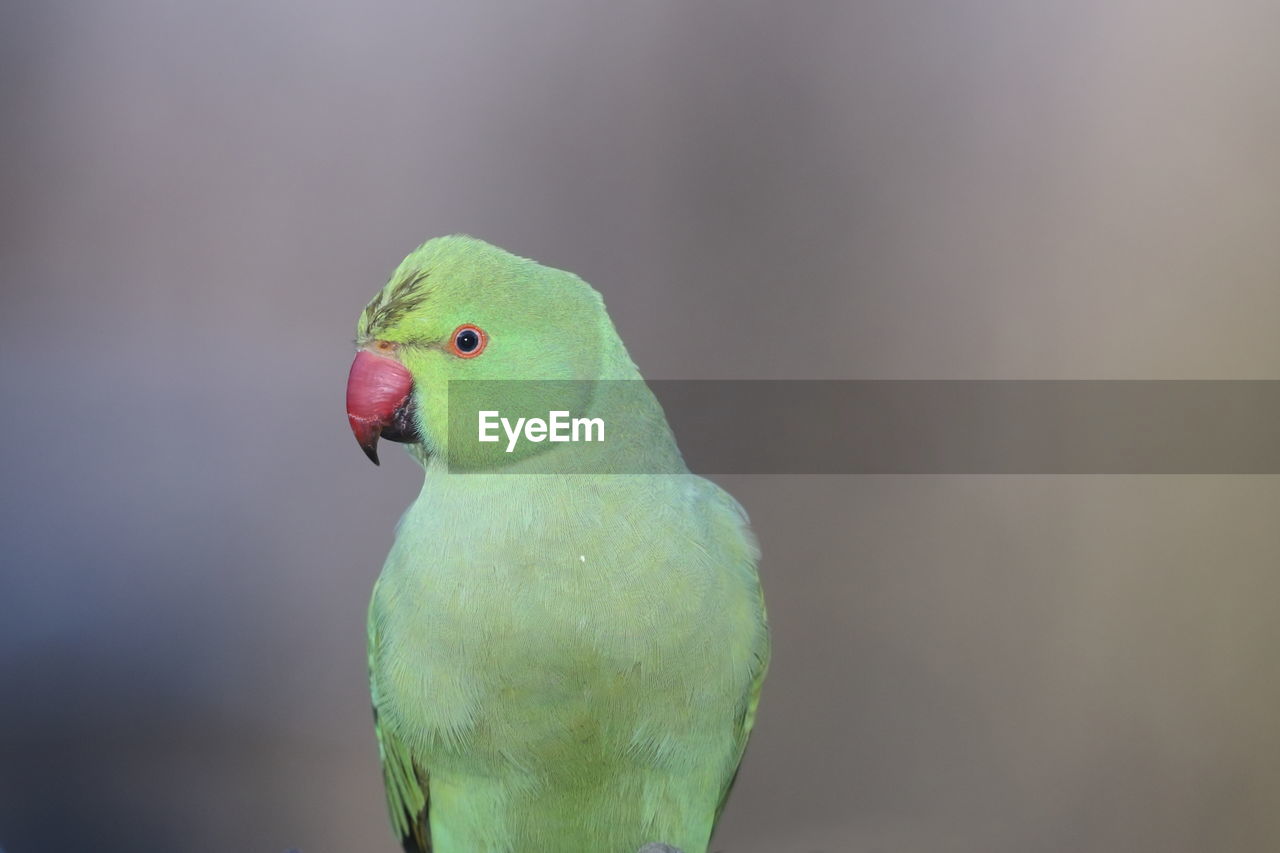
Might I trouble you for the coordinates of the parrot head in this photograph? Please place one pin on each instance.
(459, 308)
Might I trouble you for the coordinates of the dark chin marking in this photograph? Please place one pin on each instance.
(402, 427)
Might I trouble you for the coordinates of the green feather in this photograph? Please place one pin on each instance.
(568, 663)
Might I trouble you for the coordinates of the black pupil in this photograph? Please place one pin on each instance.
(467, 340)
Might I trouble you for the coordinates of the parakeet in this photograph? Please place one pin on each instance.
(558, 662)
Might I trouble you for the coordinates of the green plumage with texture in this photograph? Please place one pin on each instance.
(558, 662)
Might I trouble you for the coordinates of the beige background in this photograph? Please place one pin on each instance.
(197, 199)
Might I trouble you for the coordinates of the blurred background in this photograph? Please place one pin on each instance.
(198, 198)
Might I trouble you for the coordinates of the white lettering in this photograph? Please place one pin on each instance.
(559, 427)
(512, 434)
(587, 424)
(487, 423)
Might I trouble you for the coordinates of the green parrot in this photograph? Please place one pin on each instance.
(558, 661)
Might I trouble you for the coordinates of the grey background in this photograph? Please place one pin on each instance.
(199, 197)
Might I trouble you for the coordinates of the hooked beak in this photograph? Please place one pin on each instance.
(379, 402)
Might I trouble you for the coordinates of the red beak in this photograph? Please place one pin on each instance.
(378, 402)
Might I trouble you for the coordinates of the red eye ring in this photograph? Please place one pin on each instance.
(468, 335)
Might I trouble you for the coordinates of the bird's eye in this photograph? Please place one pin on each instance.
(468, 341)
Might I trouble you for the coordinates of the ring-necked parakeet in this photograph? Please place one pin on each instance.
(558, 662)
